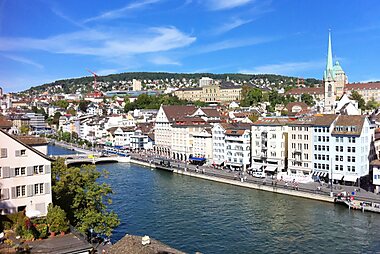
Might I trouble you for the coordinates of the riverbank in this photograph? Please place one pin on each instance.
(303, 190)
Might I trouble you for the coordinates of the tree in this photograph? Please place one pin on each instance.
(61, 103)
(252, 97)
(308, 99)
(83, 105)
(24, 129)
(357, 97)
(372, 104)
(79, 193)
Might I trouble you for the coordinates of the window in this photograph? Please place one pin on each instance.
(20, 191)
(341, 167)
(341, 148)
(349, 158)
(353, 149)
(341, 158)
(306, 137)
(336, 157)
(353, 158)
(348, 168)
(306, 146)
(353, 168)
(336, 167)
(337, 148)
(3, 153)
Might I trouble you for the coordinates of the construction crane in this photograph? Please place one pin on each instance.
(95, 75)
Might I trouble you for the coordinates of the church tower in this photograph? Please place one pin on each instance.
(334, 80)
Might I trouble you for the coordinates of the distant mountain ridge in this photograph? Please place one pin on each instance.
(162, 80)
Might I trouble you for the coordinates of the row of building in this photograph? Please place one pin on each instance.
(326, 146)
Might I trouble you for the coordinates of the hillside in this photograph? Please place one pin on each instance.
(162, 80)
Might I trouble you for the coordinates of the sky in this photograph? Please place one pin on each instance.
(45, 40)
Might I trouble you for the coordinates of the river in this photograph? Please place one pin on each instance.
(192, 214)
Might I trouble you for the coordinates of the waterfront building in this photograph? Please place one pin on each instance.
(140, 141)
(352, 148)
(121, 136)
(375, 177)
(238, 146)
(270, 144)
(25, 173)
(219, 153)
(322, 142)
(37, 121)
(183, 131)
(202, 145)
(300, 146)
(166, 117)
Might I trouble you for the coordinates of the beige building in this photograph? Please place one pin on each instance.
(166, 117)
(215, 93)
(300, 142)
(202, 145)
(25, 174)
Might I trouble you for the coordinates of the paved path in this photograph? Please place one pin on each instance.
(313, 187)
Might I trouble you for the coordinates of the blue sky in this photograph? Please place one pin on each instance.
(46, 40)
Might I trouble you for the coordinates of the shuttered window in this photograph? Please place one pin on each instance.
(3, 153)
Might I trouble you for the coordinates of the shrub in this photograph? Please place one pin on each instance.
(56, 219)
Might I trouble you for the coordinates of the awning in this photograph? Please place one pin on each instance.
(197, 159)
(271, 168)
(337, 176)
(350, 178)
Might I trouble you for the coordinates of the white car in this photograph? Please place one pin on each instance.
(259, 174)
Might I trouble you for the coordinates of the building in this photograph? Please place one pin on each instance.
(182, 134)
(219, 153)
(214, 93)
(300, 146)
(140, 141)
(121, 136)
(238, 146)
(202, 145)
(25, 174)
(375, 165)
(37, 121)
(270, 144)
(136, 85)
(205, 81)
(166, 117)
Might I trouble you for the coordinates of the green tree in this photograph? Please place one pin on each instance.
(357, 97)
(83, 105)
(78, 191)
(252, 97)
(372, 104)
(24, 129)
(61, 103)
(308, 99)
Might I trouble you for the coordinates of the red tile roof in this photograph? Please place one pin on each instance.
(174, 112)
(306, 90)
(363, 86)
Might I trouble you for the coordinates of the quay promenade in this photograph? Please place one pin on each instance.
(312, 190)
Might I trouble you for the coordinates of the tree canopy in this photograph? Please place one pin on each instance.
(308, 99)
(77, 191)
(357, 97)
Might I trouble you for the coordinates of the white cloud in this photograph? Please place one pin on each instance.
(105, 43)
(226, 4)
(117, 13)
(23, 60)
(291, 68)
(229, 44)
(234, 23)
(162, 60)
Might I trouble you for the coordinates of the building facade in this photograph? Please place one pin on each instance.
(25, 177)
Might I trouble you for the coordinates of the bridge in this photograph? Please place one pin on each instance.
(92, 159)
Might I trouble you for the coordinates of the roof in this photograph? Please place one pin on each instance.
(27, 146)
(375, 163)
(306, 90)
(174, 112)
(32, 140)
(132, 244)
(363, 86)
(233, 132)
(324, 120)
(189, 121)
(301, 104)
(275, 121)
(4, 123)
(189, 89)
(349, 121)
(211, 112)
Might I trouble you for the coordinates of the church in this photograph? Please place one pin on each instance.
(335, 85)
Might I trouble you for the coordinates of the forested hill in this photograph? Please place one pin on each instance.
(162, 80)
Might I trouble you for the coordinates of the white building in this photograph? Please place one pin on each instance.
(205, 81)
(25, 174)
(375, 164)
(140, 141)
(269, 144)
(121, 136)
(219, 154)
(238, 146)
